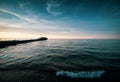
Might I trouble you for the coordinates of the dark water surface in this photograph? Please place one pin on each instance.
(61, 60)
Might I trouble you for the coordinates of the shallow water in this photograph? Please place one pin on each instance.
(43, 60)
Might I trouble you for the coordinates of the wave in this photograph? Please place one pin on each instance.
(82, 74)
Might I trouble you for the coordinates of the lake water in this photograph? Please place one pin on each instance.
(61, 60)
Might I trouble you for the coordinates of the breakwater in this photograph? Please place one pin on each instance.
(15, 42)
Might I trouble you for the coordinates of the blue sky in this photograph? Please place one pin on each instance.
(60, 18)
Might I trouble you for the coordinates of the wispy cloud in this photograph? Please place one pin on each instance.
(18, 16)
(52, 8)
(80, 6)
(22, 5)
(83, 3)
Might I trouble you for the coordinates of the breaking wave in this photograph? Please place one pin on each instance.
(82, 74)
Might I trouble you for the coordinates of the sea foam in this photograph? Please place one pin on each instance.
(82, 74)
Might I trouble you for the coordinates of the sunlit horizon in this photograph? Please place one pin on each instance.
(19, 36)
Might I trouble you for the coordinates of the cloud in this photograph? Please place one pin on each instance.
(52, 8)
(80, 6)
(18, 16)
(83, 3)
(22, 5)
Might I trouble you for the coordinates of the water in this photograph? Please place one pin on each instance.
(59, 60)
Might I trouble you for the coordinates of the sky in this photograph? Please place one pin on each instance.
(60, 19)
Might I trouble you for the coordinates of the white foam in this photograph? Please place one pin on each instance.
(82, 74)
